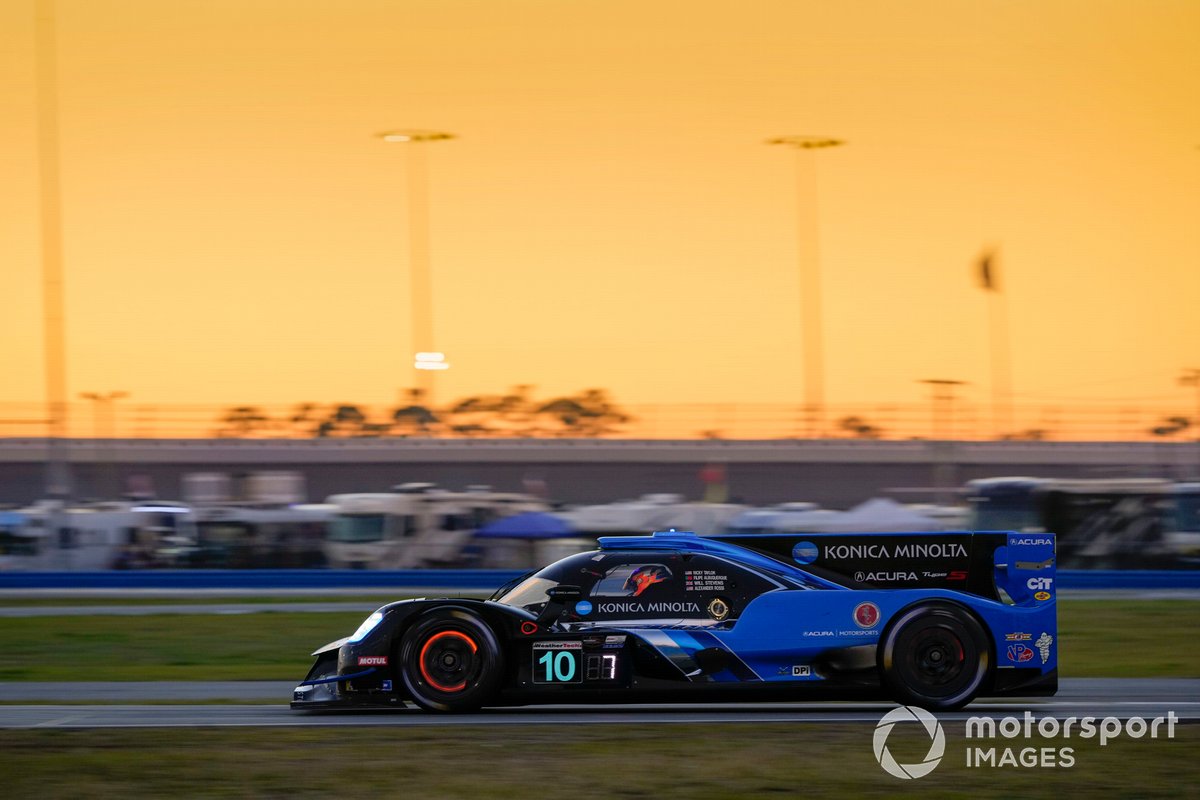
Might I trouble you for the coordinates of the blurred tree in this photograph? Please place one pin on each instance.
(346, 419)
(1171, 426)
(415, 418)
(1031, 435)
(859, 428)
(510, 414)
(242, 421)
(304, 418)
(589, 413)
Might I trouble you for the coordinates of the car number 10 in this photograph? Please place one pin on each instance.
(559, 666)
(557, 662)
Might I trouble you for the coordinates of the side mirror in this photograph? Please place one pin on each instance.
(557, 599)
(564, 593)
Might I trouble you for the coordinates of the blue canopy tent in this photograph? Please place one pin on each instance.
(530, 525)
(529, 540)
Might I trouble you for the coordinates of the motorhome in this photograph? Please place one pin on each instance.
(93, 536)
(414, 525)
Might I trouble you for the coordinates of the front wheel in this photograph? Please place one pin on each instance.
(935, 656)
(450, 661)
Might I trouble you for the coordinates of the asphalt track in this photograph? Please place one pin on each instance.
(1100, 697)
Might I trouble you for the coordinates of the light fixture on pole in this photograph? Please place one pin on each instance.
(989, 280)
(1191, 377)
(104, 428)
(942, 448)
(808, 255)
(943, 405)
(421, 279)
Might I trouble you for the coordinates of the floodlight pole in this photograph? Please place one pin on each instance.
(808, 256)
(420, 274)
(58, 471)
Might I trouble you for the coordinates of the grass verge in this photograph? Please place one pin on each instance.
(725, 761)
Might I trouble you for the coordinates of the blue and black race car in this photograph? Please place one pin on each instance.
(927, 619)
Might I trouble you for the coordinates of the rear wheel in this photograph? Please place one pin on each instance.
(935, 656)
(450, 661)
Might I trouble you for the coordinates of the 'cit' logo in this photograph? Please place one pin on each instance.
(937, 747)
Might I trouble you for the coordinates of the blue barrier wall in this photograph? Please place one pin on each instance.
(451, 579)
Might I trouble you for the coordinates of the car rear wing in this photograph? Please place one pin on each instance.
(1001, 565)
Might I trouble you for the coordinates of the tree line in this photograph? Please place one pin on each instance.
(589, 413)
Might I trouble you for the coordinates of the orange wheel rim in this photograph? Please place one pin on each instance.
(458, 687)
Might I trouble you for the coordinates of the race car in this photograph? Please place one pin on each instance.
(927, 619)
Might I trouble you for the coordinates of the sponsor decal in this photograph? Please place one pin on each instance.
(937, 742)
(614, 641)
(1039, 584)
(841, 552)
(643, 578)
(648, 608)
(872, 577)
(1044, 540)
(372, 661)
(386, 686)
(1041, 596)
(836, 634)
(718, 609)
(1018, 637)
(866, 615)
(952, 575)
(575, 644)
(801, 671)
(583, 608)
(1019, 653)
(1043, 645)
(805, 552)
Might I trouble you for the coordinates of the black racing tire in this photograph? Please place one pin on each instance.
(450, 661)
(936, 656)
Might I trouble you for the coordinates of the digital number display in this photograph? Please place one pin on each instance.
(602, 667)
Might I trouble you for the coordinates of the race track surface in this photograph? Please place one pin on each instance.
(1099, 697)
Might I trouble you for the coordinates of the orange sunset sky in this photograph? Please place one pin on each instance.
(609, 214)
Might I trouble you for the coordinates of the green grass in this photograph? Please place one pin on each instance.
(266, 646)
(625, 761)
(1098, 638)
(1129, 638)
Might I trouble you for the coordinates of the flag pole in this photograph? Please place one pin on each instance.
(1002, 418)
